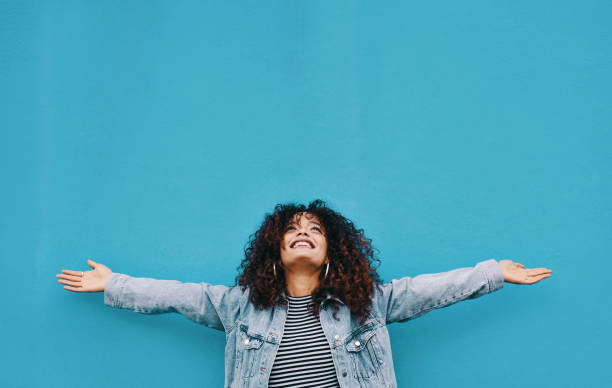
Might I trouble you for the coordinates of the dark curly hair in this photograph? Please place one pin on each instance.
(352, 278)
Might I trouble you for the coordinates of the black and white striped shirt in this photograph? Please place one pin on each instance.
(304, 358)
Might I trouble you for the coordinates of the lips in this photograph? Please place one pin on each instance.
(302, 240)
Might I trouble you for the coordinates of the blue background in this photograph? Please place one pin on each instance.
(153, 137)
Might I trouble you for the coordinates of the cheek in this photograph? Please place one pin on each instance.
(324, 246)
(284, 241)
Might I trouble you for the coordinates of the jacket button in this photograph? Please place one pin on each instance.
(357, 343)
(336, 337)
(343, 374)
(246, 341)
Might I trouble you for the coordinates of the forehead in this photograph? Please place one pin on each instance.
(307, 217)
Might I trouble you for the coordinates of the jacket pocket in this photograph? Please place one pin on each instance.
(364, 351)
(249, 352)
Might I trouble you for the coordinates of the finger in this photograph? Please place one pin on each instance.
(73, 289)
(538, 278)
(520, 265)
(68, 282)
(75, 273)
(69, 277)
(538, 271)
(92, 263)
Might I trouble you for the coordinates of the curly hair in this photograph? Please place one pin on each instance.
(352, 278)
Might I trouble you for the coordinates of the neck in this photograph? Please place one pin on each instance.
(301, 284)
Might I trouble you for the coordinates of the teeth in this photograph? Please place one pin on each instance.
(301, 244)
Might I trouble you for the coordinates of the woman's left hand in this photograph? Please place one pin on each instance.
(516, 273)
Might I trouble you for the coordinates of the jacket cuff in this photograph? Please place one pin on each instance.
(113, 289)
(493, 274)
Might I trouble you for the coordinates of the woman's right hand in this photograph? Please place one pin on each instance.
(86, 281)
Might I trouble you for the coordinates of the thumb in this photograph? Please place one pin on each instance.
(92, 263)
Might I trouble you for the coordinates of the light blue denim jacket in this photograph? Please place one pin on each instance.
(361, 352)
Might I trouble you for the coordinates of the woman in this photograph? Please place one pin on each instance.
(307, 309)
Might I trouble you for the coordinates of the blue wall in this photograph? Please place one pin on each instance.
(153, 137)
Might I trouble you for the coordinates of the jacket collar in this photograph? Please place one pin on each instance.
(328, 298)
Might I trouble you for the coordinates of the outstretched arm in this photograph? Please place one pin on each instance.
(215, 306)
(409, 298)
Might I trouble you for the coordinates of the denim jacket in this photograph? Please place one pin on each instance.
(361, 352)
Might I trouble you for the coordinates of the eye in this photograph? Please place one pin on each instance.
(290, 227)
(316, 228)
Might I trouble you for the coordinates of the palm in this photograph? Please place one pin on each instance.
(516, 273)
(86, 281)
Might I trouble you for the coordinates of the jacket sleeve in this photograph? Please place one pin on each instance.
(409, 298)
(214, 306)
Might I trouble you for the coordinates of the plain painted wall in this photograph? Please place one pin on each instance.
(153, 137)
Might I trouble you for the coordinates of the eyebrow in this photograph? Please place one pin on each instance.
(295, 223)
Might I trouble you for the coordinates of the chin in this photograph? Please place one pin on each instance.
(304, 259)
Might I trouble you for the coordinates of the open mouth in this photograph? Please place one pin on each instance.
(302, 243)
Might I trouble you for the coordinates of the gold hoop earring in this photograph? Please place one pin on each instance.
(274, 269)
(326, 269)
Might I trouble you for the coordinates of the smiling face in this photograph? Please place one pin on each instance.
(304, 245)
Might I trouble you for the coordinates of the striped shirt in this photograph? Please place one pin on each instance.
(304, 358)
